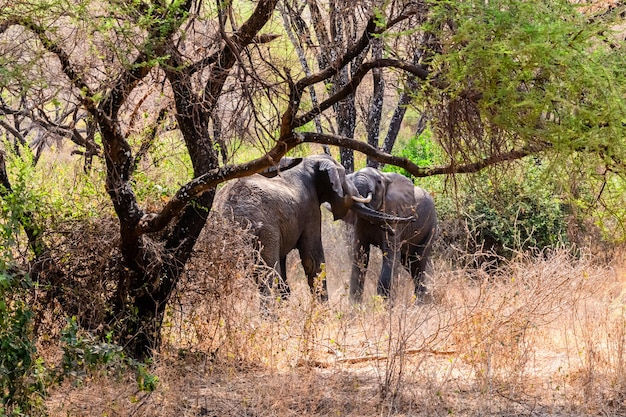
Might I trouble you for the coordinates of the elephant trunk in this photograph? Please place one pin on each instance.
(378, 217)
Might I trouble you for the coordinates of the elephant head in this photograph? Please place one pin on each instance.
(341, 194)
(372, 183)
(334, 188)
(410, 243)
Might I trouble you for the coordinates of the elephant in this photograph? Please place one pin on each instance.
(412, 242)
(281, 207)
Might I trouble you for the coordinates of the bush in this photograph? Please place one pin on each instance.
(85, 354)
(505, 213)
(22, 374)
(500, 210)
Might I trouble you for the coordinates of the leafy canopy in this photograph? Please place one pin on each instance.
(528, 73)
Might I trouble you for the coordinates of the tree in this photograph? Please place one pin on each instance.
(86, 70)
(539, 77)
(131, 50)
(332, 27)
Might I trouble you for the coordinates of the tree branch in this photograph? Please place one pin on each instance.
(153, 47)
(228, 56)
(68, 69)
(154, 222)
(13, 131)
(413, 169)
(352, 85)
(372, 29)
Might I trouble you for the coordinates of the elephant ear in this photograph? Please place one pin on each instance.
(331, 169)
(283, 165)
(400, 196)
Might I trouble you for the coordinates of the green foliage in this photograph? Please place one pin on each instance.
(145, 380)
(537, 72)
(518, 211)
(18, 209)
(422, 150)
(601, 196)
(33, 201)
(23, 377)
(53, 191)
(85, 354)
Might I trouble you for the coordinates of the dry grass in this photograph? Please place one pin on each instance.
(542, 335)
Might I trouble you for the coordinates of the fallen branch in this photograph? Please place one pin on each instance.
(368, 358)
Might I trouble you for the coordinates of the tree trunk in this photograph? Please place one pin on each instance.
(376, 106)
(151, 287)
(341, 32)
(396, 123)
(150, 302)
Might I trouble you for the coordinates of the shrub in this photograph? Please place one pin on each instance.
(22, 374)
(500, 210)
(420, 149)
(504, 213)
(85, 354)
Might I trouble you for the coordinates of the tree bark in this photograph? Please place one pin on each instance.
(376, 106)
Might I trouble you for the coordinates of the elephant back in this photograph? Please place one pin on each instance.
(239, 201)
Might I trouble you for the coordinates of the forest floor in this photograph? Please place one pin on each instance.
(542, 335)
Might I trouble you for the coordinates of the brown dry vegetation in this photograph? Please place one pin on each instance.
(542, 335)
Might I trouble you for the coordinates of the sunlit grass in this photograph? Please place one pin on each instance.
(542, 332)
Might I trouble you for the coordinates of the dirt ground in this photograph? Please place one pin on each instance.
(541, 336)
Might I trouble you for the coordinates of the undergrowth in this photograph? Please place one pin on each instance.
(542, 334)
(537, 333)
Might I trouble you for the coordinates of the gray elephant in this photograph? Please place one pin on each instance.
(282, 209)
(410, 242)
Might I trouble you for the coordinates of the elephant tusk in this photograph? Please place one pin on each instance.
(363, 200)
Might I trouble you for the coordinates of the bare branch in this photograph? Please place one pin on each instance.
(149, 138)
(153, 47)
(413, 169)
(351, 87)
(372, 29)
(13, 131)
(153, 222)
(70, 72)
(228, 56)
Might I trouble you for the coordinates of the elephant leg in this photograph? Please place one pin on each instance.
(417, 266)
(262, 278)
(418, 262)
(361, 258)
(283, 286)
(312, 257)
(265, 279)
(264, 283)
(390, 258)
